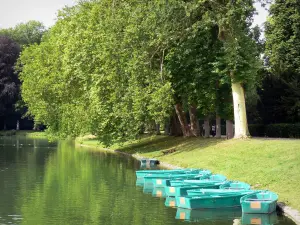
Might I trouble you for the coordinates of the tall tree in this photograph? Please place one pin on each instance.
(241, 57)
(9, 83)
(25, 33)
(283, 54)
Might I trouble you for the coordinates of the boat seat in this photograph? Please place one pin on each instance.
(258, 200)
(234, 188)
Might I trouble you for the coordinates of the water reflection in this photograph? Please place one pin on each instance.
(208, 214)
(260, 219)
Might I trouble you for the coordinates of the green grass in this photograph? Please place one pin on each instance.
(27, 133)
(263, 163)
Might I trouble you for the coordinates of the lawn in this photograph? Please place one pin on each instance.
(263, 163)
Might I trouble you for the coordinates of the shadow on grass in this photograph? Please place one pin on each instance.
(162, 143)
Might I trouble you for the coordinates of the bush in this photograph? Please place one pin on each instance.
(257, 130)
(283, 130)
(275, 130)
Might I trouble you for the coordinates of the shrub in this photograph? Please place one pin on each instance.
(283, 130)
(257, 130)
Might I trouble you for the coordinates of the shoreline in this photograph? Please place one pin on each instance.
(289, 212)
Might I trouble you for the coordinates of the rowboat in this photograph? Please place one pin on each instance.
(216, 178)
(213, 178)
(166, 182)
(212, 200)
(170, 202)
(201, 191)
(260, 219)
(180, 188)
(142, 173)
(196, 215)
(161, 179)
(227, 187)
(259, 202)
(235, 185)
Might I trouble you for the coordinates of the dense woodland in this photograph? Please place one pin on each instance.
(117, 69)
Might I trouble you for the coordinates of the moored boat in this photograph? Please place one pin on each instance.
(196, 215)
(162, 180)
(181, 190)
(212, 200)
(142, 173)
(199, 192)
(166, 182)
(236, 185)
(259, 202)
(213, 178)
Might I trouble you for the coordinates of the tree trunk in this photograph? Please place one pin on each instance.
(182, 119)
(240, 116)
(175, 129)
(195, 128)
(206, 128)
(157, 127)
(229, 129)
(167, 127)
(218, 127)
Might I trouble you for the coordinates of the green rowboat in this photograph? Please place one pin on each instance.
(211, 200)
(235, 185)
(166, 182)
(200, 192)
(259, 202)
(161, 179)
(142, 173)
(181, 190)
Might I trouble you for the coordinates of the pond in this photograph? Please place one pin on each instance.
(54, 183)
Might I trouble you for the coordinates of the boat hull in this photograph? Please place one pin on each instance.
(182, 190)
(142, 173)
(260, 202)
(211, 201)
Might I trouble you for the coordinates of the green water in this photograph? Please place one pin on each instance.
(52, 183)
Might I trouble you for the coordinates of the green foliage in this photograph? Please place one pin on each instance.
(283, 130)
(112, 68)
(283, 37)
(25, 33)
(283, 57)
(280, 130)
(257, 130)
(9, 83)
(95, 72)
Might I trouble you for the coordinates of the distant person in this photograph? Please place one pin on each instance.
(213, 130)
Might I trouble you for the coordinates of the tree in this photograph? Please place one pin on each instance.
(25, 33)
(9, 83)
(241, 55)
(283, 54)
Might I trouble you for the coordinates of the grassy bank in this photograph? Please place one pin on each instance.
(263, 163)
(26, 133)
